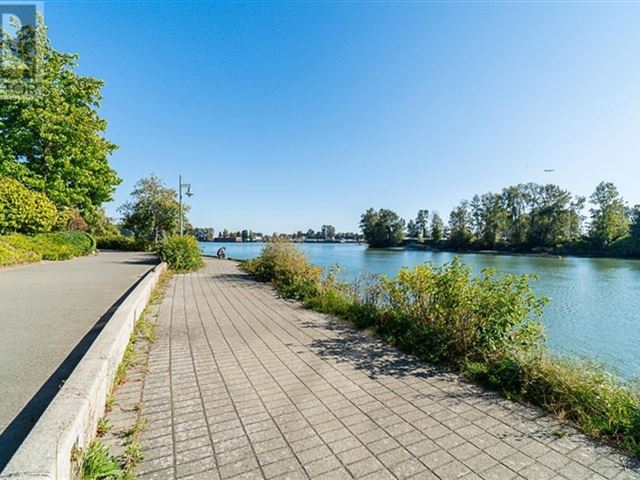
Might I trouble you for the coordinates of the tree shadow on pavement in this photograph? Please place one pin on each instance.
(367, 354)
(142, 261)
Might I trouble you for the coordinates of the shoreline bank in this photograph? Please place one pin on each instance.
(558, 255)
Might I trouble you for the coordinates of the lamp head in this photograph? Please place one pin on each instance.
(189, 193)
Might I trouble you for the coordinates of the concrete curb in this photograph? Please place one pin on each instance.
(51, 450)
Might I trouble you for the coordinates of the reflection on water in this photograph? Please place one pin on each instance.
(595, 302)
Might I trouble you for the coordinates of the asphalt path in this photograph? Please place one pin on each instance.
(49, 315)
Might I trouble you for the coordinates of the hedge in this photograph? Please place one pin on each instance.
(122, 242)
(18, 248)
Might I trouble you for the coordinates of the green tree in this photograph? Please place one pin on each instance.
(551, 214)
(412, 229)
(55, 142)
(98, 223)
(422, 223)
(245, 235)
(203, 234)
(460, 221)
(515, 200)
(635, 220)
(328, 232)
(609, 221)
(437, 228)
(382, 228)
(489, 217)
(154, 211)
(576, 219)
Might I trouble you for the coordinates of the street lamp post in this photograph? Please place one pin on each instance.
(188, 193)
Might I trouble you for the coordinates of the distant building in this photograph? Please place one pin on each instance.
(228, 239)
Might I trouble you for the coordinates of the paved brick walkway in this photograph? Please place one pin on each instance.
(242, 384)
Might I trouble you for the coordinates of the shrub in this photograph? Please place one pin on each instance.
(332, 296)
(122, 242)
(53, 246)
(457, 317)
(628, 246)
(9, 255)
(70, 219)
(181, 253)
(287, 268)
(24, 211)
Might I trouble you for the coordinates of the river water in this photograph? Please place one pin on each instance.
(594, 308)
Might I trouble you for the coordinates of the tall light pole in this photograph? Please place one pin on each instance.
(188, 193)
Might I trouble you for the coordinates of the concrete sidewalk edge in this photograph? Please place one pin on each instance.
(69, 423)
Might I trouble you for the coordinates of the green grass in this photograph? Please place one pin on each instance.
(483, 327)
(104, 425)
(98, 464)
(18, 248)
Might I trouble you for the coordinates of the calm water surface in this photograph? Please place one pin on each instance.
(595, 303)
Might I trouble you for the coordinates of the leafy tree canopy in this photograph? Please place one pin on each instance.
(437, 228)
(154, 211)
(460, 225)
(54, 141)
(609, 216)
(328, 232)
(382, 228)
(422, 223)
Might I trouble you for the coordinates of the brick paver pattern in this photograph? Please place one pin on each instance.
(243, 384)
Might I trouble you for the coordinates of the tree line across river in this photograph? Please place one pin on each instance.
(326, 234)
(525, 218)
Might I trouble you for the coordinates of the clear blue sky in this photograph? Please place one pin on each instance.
(285, 116)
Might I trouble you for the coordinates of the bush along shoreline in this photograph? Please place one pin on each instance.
(180, 252)
(484, 327)
(17, 248)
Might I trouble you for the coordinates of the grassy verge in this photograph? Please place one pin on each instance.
(97, 461)
(484, 327)
(18, 248)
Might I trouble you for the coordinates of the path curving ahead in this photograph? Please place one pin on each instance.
(242, 384)
(49, 314)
